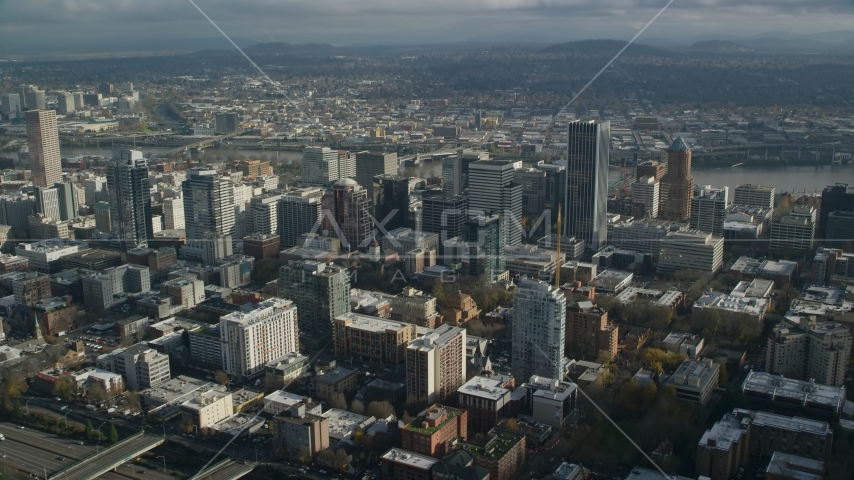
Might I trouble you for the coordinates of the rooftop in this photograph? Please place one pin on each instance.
(484, 387)
(641, 473)
(373, 324)
(694, 374)
(343, 423)
(795, 424)
(451, 413)
(794, 467)
(496, 447)
(334, 375)
(261, 312)
(804, 392)
(733, 303)
(414, 460)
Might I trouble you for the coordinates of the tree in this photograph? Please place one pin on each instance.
(342, 459)
(338, 401)
(14, 384)
(326, 457)
(132, 400)
(221, 377)
(16, 408)
(381, 409)
(95, 392)
(89, 428)
(512, 424)
(304, 454)
(64, 388)
(8, 408)
(438, 293)
(357, 407)
(114, 435)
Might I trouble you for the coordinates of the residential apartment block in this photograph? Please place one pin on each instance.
(435, 365)
(252, 339)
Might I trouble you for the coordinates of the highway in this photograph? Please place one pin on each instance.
(37, 452)
(226, 470)
(109, 458)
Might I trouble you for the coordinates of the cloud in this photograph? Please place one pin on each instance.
(388, 21)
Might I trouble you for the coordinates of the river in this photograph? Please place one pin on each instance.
(807, 179)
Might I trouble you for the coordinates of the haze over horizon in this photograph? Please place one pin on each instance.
(101, 26)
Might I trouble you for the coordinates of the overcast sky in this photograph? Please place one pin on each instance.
(94, 24)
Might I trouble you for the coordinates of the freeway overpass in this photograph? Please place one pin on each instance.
(227, 469)
(109, 458)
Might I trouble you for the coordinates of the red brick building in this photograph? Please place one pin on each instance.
(261, 245)
(433, 430)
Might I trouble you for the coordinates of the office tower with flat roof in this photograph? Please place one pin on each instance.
(208, 204)
(320, 291)
(754, 196)
(173, 213)
(585, 213)
(66, 103)
(371, 164)
(130, 200)
(102, 217)
(539, 336)
(436, 366)
(555, 186)
(794, 232)
(226, 122)
(839, 232)
(452, 175)
(690, 250)
(708, 211)
(47, 202)
(252, 339)
(43, 142)
(484, 244)
(264, 212)
(35, 99)
(834, 198)
(534, 190)
(300, 212)
(391, 200)
(320, 166)
(68, 201)
(444, 215)
(349, 214)
(677, 185)
(645, 190)
(494, 191)
(10, 105)
(96, 189)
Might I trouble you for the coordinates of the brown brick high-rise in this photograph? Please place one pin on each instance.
(677, 185)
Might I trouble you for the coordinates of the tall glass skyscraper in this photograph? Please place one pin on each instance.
(585, 211)
(130, 199)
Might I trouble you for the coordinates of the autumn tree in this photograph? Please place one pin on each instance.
(342, 460)
(357, 407)
(380, 409)
(221, 377)
(95, 392)
(338, 401)
(64, 388)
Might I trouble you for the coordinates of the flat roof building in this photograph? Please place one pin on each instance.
(694, 380)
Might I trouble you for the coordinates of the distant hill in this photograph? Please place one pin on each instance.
(719, 46)
(605, 47)
(290, 48)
